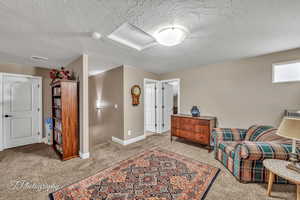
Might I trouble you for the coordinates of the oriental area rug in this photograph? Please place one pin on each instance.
(156, 174)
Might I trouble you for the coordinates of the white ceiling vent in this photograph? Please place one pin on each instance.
(132, 36)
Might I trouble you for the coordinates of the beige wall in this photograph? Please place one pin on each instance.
(18, 69)
(239, 93)
(134, 115)
(80, 68)
(107, 122)
(34, 71)
(114, 87)
(47, 100)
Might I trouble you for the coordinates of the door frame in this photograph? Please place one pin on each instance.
(179, 88)
(40, 105)
(144, 100)
(159, 128)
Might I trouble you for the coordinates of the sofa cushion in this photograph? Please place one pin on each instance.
(229, 147)
(255, 131)
(264, 150)
(271, 136)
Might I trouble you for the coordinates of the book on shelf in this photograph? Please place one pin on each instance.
(58, 137)
(57, 125)
(56, 91)
(57, 113)
(57, 102)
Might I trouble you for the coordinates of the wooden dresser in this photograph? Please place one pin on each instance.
(195, 129)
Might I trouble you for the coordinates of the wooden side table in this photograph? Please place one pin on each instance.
(278, 167)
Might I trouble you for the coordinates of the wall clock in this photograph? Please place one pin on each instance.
(136, 93)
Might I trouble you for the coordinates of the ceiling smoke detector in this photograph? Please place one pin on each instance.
(171, 36)
(39, 58)
(96, 35)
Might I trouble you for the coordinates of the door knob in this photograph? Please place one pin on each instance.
(7, 116)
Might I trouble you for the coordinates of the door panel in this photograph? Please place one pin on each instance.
(150, 107)
(21, 127)
(20, 109)
(24, 90)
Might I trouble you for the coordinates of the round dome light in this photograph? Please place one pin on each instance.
(171, 36)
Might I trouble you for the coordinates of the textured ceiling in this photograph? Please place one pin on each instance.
(220, 30)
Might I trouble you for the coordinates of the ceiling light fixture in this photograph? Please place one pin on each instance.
(171, 36)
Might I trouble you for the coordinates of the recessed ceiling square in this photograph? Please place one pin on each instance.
(131, 36)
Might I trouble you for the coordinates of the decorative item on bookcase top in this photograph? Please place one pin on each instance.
(60, 74)
(136, 93)
(195, 111)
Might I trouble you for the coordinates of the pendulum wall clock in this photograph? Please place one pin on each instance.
(136, 93)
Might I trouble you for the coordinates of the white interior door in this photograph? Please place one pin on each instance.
(20, 111)
(150, 109)
(167, 106)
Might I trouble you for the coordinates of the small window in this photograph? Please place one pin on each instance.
(286, 72)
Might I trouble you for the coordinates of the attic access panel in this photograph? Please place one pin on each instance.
(131, 36)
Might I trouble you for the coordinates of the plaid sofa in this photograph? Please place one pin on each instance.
(242, 151)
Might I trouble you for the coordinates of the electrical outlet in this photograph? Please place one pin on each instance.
(129, 133)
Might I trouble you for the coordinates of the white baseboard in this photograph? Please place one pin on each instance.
(117, 140)
(130, 141)
(84, 155)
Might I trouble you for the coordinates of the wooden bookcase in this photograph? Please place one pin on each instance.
(65, 118)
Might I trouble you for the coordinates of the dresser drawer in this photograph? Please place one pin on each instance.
(196, 137)
(203, 122)
(175, 122)
(175, 132)
(188, 121)
(201, 138)
(188, 124)
(185, 134)
(203, 129)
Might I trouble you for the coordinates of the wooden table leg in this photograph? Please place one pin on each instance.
(298, 192)
(270, 184)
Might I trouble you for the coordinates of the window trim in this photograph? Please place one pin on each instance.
(283, 63)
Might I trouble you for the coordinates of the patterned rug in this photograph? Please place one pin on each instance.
(153, 175)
